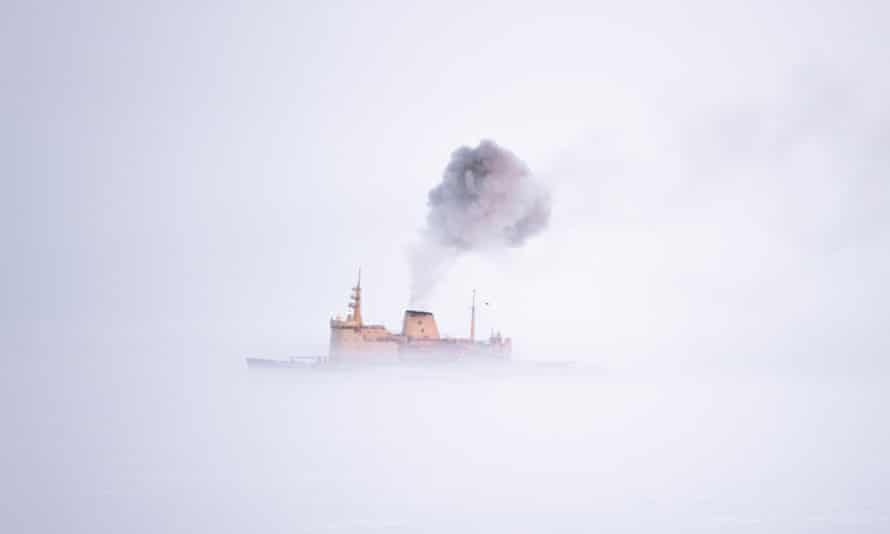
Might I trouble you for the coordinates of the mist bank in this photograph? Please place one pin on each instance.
(186, 441)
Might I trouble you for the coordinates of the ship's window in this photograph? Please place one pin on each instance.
(419, 322)
(421, 330)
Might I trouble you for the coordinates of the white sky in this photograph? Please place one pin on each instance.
(219, 172)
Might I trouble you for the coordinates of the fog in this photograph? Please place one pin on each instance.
(503, 448)
(186, 185)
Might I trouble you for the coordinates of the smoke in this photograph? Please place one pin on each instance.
(487, 200)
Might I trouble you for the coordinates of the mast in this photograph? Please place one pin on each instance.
(473, 318)
(356, 303)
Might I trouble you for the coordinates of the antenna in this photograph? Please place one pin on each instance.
(473, 318)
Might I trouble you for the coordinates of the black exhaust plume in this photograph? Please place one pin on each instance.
(487, 200)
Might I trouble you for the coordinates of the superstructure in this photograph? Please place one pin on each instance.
(354, 341)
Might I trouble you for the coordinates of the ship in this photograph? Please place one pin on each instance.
(352, 341)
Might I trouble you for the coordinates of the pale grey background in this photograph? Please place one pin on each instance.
(185, 184)
(719, 171)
